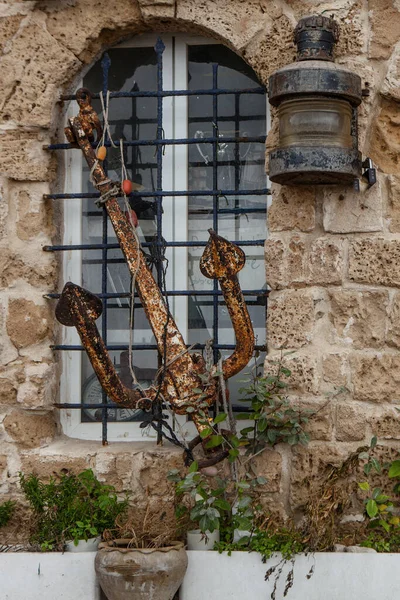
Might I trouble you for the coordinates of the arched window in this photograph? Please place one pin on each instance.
(184, 186)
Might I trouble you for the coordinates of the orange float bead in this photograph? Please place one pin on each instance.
(127, 186)
(101, 153)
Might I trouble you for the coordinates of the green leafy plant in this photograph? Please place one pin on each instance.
(70, 506)
(6, 512)
(382, 510)
(286, 540)
(208, 505)
(274, 419)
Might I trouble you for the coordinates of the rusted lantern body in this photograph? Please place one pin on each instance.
(316, 102)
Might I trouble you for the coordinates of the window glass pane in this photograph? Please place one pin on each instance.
(238, 167)
(131, 69)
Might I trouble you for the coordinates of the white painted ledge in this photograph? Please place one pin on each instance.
(211, 576)
(336, 576)
(48, 576)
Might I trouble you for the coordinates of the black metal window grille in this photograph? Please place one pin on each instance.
(219, 205)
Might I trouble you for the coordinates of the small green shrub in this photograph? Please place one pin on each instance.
(288, 541)
(70, 507)
(381, 509)
(6, 512)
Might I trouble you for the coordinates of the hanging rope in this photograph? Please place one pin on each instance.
(106, 131)
(229, 412)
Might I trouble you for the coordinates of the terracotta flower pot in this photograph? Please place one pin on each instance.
(141, 573)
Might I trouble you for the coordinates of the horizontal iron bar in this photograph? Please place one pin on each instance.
(199, 211)
(166, 93)
(121, 347)
(146, 244)
(163, 194)
(170, 293)
(83, 405)
(173, 142)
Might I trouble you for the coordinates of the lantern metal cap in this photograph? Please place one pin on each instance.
(315, 37)
(314, 77)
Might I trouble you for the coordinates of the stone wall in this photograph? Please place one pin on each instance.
(332, 258)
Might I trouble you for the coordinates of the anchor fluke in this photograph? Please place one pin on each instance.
(64, 312)
(221, 258)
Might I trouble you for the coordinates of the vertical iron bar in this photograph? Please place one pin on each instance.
(215, 206)
(237, 162)
(105, 65)
(159, 48)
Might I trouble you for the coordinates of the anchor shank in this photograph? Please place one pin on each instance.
(168, 337)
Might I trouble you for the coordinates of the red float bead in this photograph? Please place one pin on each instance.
(127, 186)
(101, 153)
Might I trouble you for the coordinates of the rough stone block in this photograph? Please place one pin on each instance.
(394, 204)
(385, 137)
(292, 208)
(350, 423)
(3, 465)
(22, 156)
(310, 466)
(27, 323)
(152, 470)
(320, 424)
(87, 26)
(50, 466)
(290, 320)
(273, 50)
(302, 262)
(34, 215)
(391, 84)
(376, 377)
(8, 28)
(152, 10)
(3, 207)
(32, 72)
(385, 27)
(303, 378)
(116, 470)
(8, 352)
(237, 23)
(325, 262)
(30, 430)
(269, 466)
(39, 389)
(272, 139)
(8, 391)
(375, 261)
(335, 369)
(348, 211)
(385, 424)
(359, 318)
(275, 264)
(393, 332)
(35, 267)
(296, 256)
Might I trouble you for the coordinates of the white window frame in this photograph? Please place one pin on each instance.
(175, 226)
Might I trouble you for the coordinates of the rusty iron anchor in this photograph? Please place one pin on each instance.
(222, 260)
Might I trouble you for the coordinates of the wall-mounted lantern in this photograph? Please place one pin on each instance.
(316, 104)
